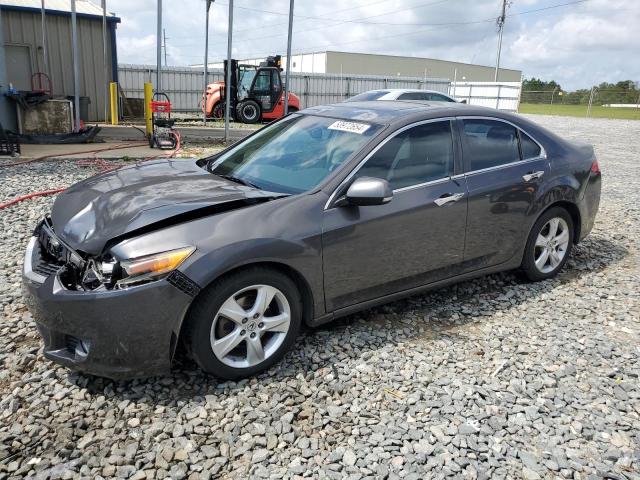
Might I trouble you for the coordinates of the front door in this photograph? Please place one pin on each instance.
(263, 90)
(18, 60)
(505, 168)
(415, 239)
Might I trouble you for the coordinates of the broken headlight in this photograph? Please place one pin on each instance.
(110, 272)
(152, 267)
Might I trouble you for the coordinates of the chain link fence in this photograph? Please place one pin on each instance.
(595, 97)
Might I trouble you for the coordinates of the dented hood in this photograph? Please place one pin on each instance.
(90, 213)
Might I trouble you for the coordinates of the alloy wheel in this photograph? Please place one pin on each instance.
(551, 245)
(250, 326)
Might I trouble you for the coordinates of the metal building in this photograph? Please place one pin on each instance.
(390, 65)
(22, 50)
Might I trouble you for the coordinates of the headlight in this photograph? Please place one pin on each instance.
(152, 267)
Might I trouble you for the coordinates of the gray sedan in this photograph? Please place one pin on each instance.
(325, 212)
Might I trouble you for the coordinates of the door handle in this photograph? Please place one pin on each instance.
(531, 175)
(448, 198)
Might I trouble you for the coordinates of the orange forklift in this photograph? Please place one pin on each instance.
(257, 93)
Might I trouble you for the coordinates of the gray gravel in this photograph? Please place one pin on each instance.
(492, 378)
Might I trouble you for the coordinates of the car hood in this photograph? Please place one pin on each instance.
(150, 195)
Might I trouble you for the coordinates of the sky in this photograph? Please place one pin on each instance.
(576, 43)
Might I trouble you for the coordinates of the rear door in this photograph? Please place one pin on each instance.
(504, 169)
(415, 239)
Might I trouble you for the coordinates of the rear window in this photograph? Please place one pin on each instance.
(490, 143)
(530, 149)
(367, 96)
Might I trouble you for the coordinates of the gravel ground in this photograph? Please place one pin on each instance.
(492, 378)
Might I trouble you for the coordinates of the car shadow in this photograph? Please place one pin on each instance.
(430, 316)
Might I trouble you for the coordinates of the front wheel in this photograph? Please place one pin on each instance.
(244, 323)
(549, 245)
(249, 111)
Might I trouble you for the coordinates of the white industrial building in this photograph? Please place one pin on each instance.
(350, 63)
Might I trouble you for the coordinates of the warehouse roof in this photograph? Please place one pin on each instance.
(83, 7)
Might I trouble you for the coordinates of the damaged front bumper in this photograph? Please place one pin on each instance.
(112, 333)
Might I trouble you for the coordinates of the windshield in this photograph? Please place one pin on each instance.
(295, 154)
(366, 96)
(246, 78)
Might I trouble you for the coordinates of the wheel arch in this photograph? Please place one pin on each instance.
(573, 211)
(300, 281)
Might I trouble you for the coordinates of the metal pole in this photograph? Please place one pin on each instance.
(553, 93)
(76, 79)
(104, 59)
(288, 72)
(500, 22)
(455, 82)
(159, 48)
(206, 63)
(227, 106)
(164, 41)
(44, 40)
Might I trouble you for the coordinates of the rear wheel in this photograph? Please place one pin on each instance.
(245, 323)
(249, 111)
(549, 245)
(218, 111)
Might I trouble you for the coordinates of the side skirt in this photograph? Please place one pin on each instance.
(342, 312)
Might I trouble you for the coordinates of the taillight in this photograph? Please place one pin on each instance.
(595, 168)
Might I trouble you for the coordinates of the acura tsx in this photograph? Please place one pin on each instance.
(322, 213)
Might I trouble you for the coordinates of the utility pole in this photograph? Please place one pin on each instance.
(105, 70)
(227, 81)
(76, 60)
(45, 53)
(287, 75)
(500, 22)
(164, 41)
(159, 48)
(206, 63)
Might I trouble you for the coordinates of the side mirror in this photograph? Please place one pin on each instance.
(369, 191)
(463, 101)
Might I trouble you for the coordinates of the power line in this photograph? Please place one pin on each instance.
(437, 27)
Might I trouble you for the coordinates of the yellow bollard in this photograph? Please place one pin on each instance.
(113, 96)
(148, 95)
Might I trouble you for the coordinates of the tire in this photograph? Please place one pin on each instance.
(217, 112)
(249, 111)
(239, 336)
(545, 254)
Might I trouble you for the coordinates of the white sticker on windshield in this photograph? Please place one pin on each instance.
(352, 127)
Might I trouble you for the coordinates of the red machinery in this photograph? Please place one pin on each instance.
(257, 92)
(163, 136)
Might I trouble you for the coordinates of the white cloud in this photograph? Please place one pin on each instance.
(577, 45)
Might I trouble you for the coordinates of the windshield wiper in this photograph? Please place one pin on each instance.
(241, 181)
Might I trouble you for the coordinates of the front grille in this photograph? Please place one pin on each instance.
(43, 264)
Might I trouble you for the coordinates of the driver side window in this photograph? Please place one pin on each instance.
(421, 154)
(263, 80)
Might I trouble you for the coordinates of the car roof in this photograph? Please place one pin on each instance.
(394, 111)
(411, 90)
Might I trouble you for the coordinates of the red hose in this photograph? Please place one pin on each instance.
(99, 163)
(31, 195)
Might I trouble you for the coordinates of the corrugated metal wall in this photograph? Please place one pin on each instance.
(185, 85)
(501, 95)
(24, 28)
